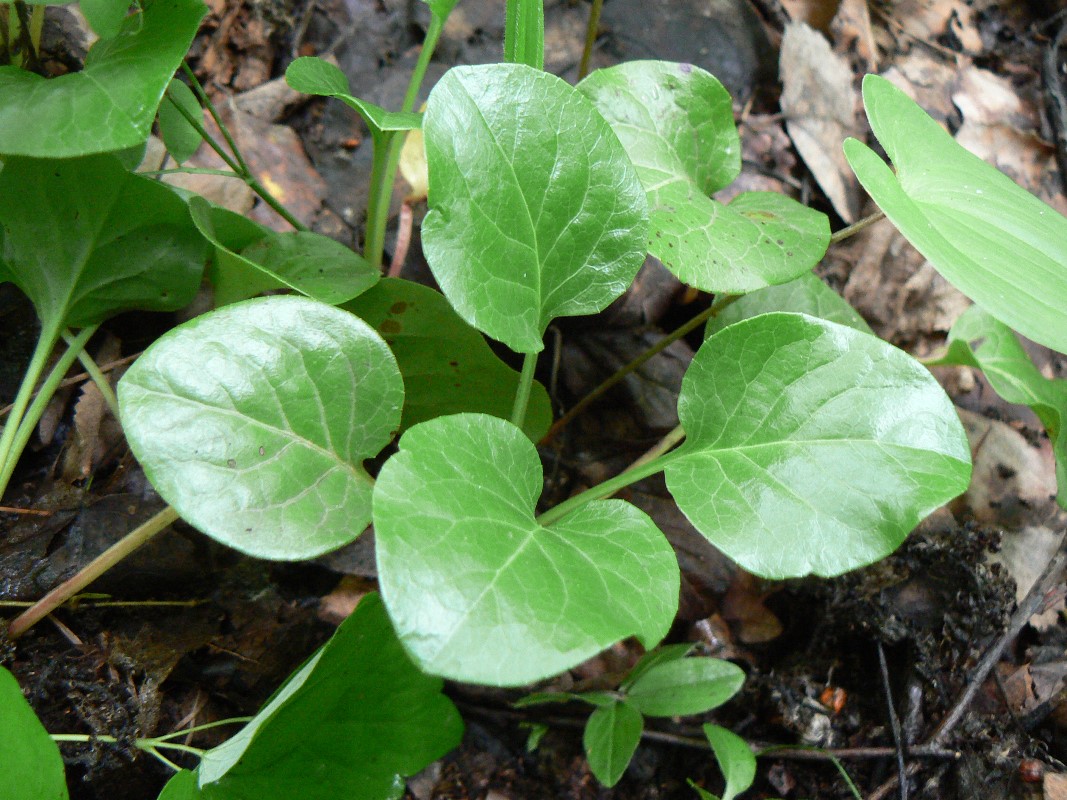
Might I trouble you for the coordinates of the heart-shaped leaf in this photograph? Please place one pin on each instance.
(356, 717)
(312, 75)
(676, 123)
(447, 366)
(536, 212)
(679, 687)
(978, 339)
(111, 103)
(250, 259)
(611, 736)
(85, 239)
(30, 765)
(478, 589)
(804, 295)
(994, 241)
(811, 447)
(735, 757)
(253, 422)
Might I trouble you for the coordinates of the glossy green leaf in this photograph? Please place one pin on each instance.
(978, 339)
(804, 295)
(811, 447)
(676, 123)
(181, 786)
(85, 239)
(105, 17)
(660, 655)
(253, 421)
(994, 241)
(354, 719)
(536, 212)
(478, 589)
(30, 765)
(610, 739)
(447, 366)
(735, 757)
(250, 259)
(111, 103)
(685, 686)
(180, 137)
(312, 75)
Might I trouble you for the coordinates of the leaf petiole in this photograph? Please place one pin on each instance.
(522, 394)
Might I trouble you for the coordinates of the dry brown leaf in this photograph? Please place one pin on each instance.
(816, 13)
(929, 20)
(852, 30)
(1055, 786)
(819, 105)
(743, 606)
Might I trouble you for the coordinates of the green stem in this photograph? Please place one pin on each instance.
(202, 95)
(387, 148)
(522, 394)
(590, 37)
(91, 571)
(583, 404)
(204, 727)
(856, 227)
(524, 33)
(99, 378)
(22, 421)
(225, 173)
(637, 471)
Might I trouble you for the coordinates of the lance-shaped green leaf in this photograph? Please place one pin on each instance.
(804, 295)
(253, 421)
(354, 720)
(735, 758)
(500, 598)
(536, 212)
(994, 241)
(811, 447)
(979, 340)
(312, 75)
(111, 103)
(85, 239)
(250, 259)
(30, 765)
(448, 367)
(676, 123)
(679, 687)
(178, 134)
(611, 736)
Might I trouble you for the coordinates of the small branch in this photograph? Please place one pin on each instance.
(856, 227)
(894, 724)
(590, 37)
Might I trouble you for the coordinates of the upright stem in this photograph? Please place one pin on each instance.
(99, 378)
(38, 361)
(590, 37)
(522, 395)
(90, 572)
(524, 32)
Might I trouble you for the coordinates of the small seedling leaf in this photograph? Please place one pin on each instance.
(735, 757)
(979, 340)
(111, 103)
(354, 719)
(502, 599)
(660, 655)
(250, 259)
(536, 212)
(253, 421)
(85, 239)
(993, 240)
(180, 138)
(312, 75)
(441, 8)
(811, 447)
(447, 366)
(685, 686)
(610, 739)
(676, 123)
(30, 765)
(804, 295)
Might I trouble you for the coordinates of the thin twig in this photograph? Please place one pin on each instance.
(894, 724)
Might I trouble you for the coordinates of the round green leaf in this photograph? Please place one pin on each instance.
(735, 757)
(253, 422)
(478, 589)
(676, 123)
(180, 137)
(685, 686)
(804, 295)
(447, 366)
(111, 103)
(30, 765)
(811, 447)
(610, 739)
(85, 239)
(536, 212)
(994, 241)
(354, 719)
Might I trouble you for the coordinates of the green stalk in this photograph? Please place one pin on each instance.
(387, 148)
(90, 572)
(522, 394)
(38, 361)
(856, 227)
(590, 37)
(524, 33)
(99, 378)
